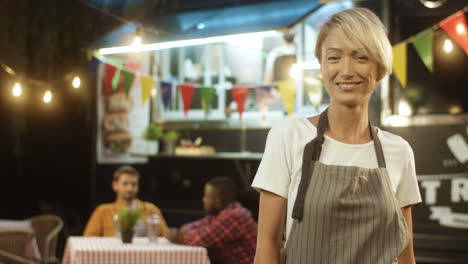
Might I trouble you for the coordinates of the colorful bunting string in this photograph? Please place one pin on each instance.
(423, 45)
(186, 92)
(288, 94)
(109, 76)
(166, 91)
(455, 26)
(239, 94)
(207, 94)
(400, 62)
(128, 79)
(147, 84)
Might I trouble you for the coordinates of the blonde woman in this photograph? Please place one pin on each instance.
(344, 186)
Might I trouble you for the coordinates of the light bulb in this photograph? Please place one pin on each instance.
(136, 41)
(17, 90)
(76, 82)
(461, 30)
(153, 92)
(404, 108)
(47, 97)
(448, 46)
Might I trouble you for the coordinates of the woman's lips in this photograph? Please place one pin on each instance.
(347, 86)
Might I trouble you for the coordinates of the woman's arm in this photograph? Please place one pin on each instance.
(407, 255)
(272, 212)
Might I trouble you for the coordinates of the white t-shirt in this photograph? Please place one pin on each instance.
(281, 166)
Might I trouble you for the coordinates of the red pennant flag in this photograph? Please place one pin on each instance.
(186, 91)
(110, 73)
(240, 94)
(455, 26)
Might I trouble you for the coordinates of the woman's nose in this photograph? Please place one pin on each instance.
(347, 68)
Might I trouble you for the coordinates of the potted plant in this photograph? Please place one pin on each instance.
(153, 133)
(127, 219)
(170, 141)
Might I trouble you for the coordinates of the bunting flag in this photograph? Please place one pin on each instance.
(93, 65)
(186, 92)
(110, 74)
(128, 78)
(166, 91)
(147, 84)
(423, 45)
(399, 63)
(207, 94)
(288, 93)
(263, 96)
(239, 94)
(455, 26)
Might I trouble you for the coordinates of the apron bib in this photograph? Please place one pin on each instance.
(344, 214)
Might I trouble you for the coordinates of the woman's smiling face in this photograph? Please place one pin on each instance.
(349, 75)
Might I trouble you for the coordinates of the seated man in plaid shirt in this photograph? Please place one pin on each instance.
(229, 231)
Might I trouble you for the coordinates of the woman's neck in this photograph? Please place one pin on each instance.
(348, 124)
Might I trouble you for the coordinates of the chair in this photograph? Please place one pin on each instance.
(46, 229)
(14, 245)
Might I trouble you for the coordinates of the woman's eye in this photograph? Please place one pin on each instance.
(362, 58)
(332, 58)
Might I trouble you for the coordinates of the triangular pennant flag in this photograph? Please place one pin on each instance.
(147, 84)
(166, 91)
(239, 94)
(455, 26)
(128, 78)
(110, 74)
(186, 91)
(263, 96)
(288, 93)
(116, 79)
(399, 63)
(207, 94)
(423, 45)
(93, 64)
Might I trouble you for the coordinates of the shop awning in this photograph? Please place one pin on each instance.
(214, 22)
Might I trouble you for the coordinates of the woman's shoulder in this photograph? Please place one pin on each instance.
(291, 124)
(390, 140)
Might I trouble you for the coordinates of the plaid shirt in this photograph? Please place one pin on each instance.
(231, 235)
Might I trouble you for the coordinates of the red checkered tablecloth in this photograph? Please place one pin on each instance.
(109, 250)
(32, 250)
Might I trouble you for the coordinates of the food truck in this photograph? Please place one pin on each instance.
(216, 80)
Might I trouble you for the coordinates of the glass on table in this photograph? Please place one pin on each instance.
(152, 227)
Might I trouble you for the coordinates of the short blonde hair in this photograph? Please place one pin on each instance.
(360, 28)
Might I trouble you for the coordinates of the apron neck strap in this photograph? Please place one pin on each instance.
(323, 124)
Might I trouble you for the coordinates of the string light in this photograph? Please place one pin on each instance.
(47, 97)
(154, 92)
(137, 41)
(76, 82)
(448, 46)
(461, 30)
(404, 108)
(17, 90)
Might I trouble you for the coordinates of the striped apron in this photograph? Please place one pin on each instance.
(344, 214)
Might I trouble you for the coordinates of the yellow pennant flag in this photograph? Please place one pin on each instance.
(399, 63)
(147, 84)
(288, 93)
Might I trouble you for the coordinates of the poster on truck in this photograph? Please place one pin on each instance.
(121, 115)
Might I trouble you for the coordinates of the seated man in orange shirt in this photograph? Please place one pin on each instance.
(125, 186)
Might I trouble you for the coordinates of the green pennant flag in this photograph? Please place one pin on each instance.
(423, 45)
(128, 78)
(207, 94)
(119, 63)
